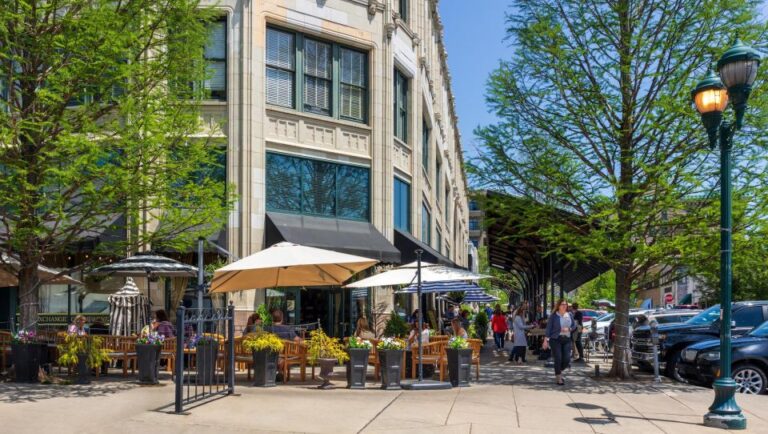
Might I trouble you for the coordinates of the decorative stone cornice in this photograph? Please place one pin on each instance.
(390, 29)
(373, 5)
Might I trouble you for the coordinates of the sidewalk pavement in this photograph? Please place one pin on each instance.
(508, 398)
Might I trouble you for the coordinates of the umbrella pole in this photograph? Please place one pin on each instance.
(421, 313)
(200, 283)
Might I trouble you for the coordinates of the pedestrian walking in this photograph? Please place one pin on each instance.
(499, 326)
(578, 316)
(560, 325)
(520, 342)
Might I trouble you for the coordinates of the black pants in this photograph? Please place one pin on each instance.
(579, 345)
(518, 353)
(498, 339)
(561, 352)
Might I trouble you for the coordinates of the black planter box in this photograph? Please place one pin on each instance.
(390, 361)
(264, 368)
(26, 361)
(83, 371)
(357, 367)
(148, 359)
(459, 366)
(205, 360)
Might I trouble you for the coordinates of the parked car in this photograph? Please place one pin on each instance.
(661, 316)
(700, 362)
(673, 338)
(588, 314)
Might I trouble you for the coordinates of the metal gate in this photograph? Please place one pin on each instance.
(205, 356)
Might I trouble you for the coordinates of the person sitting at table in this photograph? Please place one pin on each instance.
(161, 325)
(78, 327)
(253, 325)
(413, 337)
(362, 330)
(458, 329)
(281, 330)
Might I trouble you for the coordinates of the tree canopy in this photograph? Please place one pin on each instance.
(596, 120)
(100, 117)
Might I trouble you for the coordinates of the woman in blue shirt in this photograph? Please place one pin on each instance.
(558, 337)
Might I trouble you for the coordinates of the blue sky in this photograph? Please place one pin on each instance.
(474, 38)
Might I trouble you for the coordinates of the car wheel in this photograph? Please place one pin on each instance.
(750, 378)
(671, 370)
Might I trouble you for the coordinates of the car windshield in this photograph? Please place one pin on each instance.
(761, 331)
(707, 317)
(606, 317)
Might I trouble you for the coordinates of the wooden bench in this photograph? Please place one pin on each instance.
(5, 348)
(432, 353)
(294, 354)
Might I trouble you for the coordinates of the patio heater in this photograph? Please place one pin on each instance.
(421, 383)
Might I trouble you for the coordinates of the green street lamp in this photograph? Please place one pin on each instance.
(737, 69)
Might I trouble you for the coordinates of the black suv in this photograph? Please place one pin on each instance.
(673, 338)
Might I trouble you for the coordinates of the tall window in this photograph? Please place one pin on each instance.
(425, 145)
(281, 68)
(216, 58)
(446, 204)
(438, 177)
(352, 80)
(303, 186)
(317, 77)
(439, 240)
(401, 106)
(326, 78)
(402, 9)
(426, 224)
(402, 205)
(474, 224)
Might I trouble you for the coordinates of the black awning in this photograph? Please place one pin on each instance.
(407, 244)
(346, 236)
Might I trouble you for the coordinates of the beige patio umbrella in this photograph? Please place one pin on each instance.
(9, 266)
(288, 264)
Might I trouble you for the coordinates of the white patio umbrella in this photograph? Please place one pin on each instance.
(289, 264)
(406, 275)
(128, 310)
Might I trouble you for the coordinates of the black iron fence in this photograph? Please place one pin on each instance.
(205, 355)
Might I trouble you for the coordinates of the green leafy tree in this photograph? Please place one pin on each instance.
(602, 287)
(596, 125)
(100, 118)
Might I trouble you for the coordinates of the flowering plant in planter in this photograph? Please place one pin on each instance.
(201, 340)
(458, 343)
(151, 338)
(356, 342)
(24, 337)
(263, 341)
(391, 344)
(322, 346)
(89, 346)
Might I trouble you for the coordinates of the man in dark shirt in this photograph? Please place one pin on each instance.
(578, 316)
(281, 330)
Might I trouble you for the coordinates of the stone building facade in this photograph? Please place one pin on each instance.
(337, 113)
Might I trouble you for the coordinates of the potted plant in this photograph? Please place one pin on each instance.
(27, 354)
(84, 353)
(206, 352)
(481, 326)
(459, 357)
(148, 347)
(358, 350)
(396, 326)
(325, 351)
(265, 348)
(390, 351)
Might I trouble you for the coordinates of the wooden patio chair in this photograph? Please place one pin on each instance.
(294, 354)
(5, 348)
(168, 353)
(432, 352)
(122, 348)
(243, 359)
(476, 345)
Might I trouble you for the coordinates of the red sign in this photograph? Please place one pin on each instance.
(668, 298)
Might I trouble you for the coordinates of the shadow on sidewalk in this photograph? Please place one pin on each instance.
(609, 418)
(14, 393)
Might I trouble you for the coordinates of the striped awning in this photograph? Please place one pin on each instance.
(433, 287)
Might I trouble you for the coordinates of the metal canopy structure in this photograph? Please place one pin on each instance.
(527, 259)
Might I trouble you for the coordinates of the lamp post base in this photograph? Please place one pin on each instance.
(724, 412)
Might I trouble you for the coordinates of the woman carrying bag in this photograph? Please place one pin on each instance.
(560, 325)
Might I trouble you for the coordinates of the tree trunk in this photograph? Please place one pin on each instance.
(621, 365)
(29, 291)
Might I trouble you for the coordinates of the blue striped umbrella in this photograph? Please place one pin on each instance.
(433, 287)
(478, 297)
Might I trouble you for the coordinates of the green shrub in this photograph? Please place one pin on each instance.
(396, 327)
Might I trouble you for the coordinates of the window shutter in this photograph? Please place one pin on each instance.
(216, 47)
(317, 76)
(281, 58)
(216, 78)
